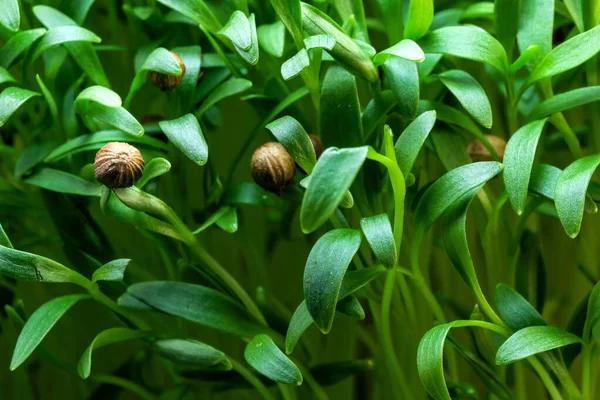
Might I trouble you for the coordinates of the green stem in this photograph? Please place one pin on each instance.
(125, 384)
(252, 379)
(386, 335)
(546, 378)
(108, 302)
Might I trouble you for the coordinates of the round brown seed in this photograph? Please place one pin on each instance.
(168, 82)
(272, 167)
(118, 165)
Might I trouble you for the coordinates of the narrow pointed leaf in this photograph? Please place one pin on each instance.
(105, 338)
(301, 320)
(518, 162)
(39, 324)
(420, 15)
(332, 177)
(403, 79)
(228, 88)
(566, 101)
(10, 16)
(296, 141)
(411, 141)
(18, 45)
(378, 231)
(468, 42)
(11, 99)
(63, 182)
(533, 340)
(192, 353)
(515, 310)
(198, 304)
(470, 94)
(568, 55)
(185, 133)
(112, 271)
(325, 268)
(265, 357)
(571, 190)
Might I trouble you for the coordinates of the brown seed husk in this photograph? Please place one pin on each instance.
(272, 167)
(168, 82)
(478, 152)
(118, 165)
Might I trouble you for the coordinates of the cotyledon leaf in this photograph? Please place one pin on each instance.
(470, 94)
(533, 340)
(264, 356)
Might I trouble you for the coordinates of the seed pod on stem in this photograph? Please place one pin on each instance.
(168, 82)
(118, 165)
(272, 167)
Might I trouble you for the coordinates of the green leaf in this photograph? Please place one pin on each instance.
(533, 340)
(196, 10)
(527, 57)
(347, 199)
(325, 268)
(294, 66)
(186, 91)
(229, 220)
(192, 352)
(63, 34)
(63, 182)
(296, 141)
(112, 271)
(518, 162)
(10, 17)
(33, 268)
(83, 53)
(568, 55)
(454, 239)
(105, 105)
(447, 190)
(228, 88)
(237, 30)
(593, 315)
(251, 54)
(418, 20)
(565, 101)
(411, 141)
(290, 13)
(346, 51)
(351, 307)
(332, 177)
(198, 304)
(153, 169)
(185, 133)
(515, 310)
(378, 231)
(4, 239)
(570, 192)
(301, 320)
(222, 213)
(506, 22)
(430, 356)
(536, 24)
(18, 45)
(105, 338)
(264, 356)
(271, 38)
(468, 42)
(160, 60)
(406, 49)
(11, 99)
(95, 141)
(6, 77)
(39, 324)
(339, 96)
(325, 42)
(470, 94)
(403, 79)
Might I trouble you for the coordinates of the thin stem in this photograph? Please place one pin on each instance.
(125, 384)
(386, 332)
(546, 378)
(252, 379)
